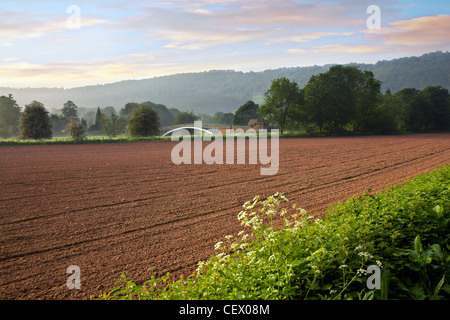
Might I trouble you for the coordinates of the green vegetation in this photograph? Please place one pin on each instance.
(35, 122)
(245, 113)
(113, 125)
(87, 140)
(338, 100)
(76, 131)
(285, 253)
(226, 90)
(185, 117)
(347, 99)
(9, 116)
(282, 102)
(144, 122)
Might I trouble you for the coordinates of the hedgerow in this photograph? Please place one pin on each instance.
(402, 231)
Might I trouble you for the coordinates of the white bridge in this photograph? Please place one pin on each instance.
(190, 129)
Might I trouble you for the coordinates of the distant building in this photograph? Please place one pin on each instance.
(258, 124)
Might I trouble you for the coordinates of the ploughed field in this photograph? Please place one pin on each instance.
(110, 208)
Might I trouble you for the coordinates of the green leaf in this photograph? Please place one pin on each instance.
(418, 245)
(439, 286)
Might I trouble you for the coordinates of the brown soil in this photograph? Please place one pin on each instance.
(110, 208)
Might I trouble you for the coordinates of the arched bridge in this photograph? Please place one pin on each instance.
(205, 127)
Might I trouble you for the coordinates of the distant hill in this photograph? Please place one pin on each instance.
(225, 90)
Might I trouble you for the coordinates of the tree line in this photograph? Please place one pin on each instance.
(342, 99)
(135, 119)
(347, 99)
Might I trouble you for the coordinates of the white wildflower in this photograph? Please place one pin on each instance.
(365, 254)
(200, 266)
(361, 271)
(218, 245)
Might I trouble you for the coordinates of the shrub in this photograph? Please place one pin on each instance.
(76, 130)
(144, 122)
(35, 122)
(285, 253)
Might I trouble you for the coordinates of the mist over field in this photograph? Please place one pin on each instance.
(225, 90)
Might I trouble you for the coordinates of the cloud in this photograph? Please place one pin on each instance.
(72, 73)
(202, 24)
(11, 59)
(430, 31)
(15, 26)
(340, 49)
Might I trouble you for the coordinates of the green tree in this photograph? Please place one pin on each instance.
(76, 130)
(108, 111)
(384, 114)
(223, 118)
(97, 126)
(166, 117)
(144, 122)
(438, 113)
(340, 96)
(9, 116)
(128, 109)
(244, 113)
(113, 125)
(185, 118)
(282, 104)
(69, 112)
(35, 122)
(314, 111)
(413, 109)
(58, 123)
(366, 98)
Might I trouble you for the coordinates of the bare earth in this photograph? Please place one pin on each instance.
(110, 208)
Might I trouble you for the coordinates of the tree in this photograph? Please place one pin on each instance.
(128, 109)
(76, 130)
(108, 111)
(144, 122)
(166, 118)
(35, 122)
(9, 116)
(413, 109)
(69, 112)
(314, 111)
(113, 125)
(282, 103)
(84, 123)
(340, 96)
(185, 118)
(223, 118)
(97, 126)
(366, 97)
(339, 100)
(58, 123)
(244, 113)
(438, 113)
(384, 116)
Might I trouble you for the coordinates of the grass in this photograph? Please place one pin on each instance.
(88, 140)
(402, 231)
(126, 138)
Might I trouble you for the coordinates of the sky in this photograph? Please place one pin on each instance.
(87, 42)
